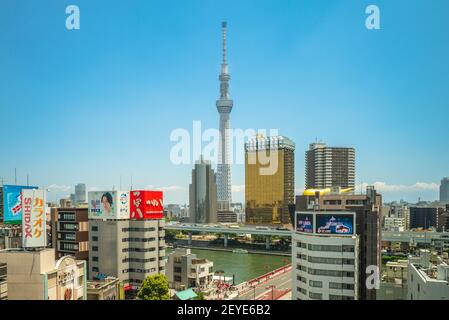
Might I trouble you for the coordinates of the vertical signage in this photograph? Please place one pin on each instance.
(34, 233)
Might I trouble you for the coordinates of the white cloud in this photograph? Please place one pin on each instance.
(58, 188)
(384, 187)
(238, 188)
(167, 188)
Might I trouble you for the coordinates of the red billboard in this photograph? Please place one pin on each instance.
(146, 204)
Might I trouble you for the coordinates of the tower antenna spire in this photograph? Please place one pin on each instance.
(224, 27)
(224, 106)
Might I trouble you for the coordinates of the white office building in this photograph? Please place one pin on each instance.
(394, 224)
(428, 280)
(325, 256)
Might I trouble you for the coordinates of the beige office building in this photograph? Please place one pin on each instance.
(36, 275)
(130, 250)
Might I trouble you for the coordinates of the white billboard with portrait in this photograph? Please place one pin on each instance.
(108, 205)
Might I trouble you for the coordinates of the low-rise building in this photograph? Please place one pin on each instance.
(10, 236)
(394, 281)
(106, 289)
(427, 279)
(36, 275)
(184, 270)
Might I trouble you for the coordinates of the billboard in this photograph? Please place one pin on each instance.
(34, 226)
(304, 222)
(334, 224)
(12, 203)
(146, 204)
(108, 204)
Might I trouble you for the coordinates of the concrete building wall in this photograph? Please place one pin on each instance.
(421, 287)
(130, 250)
(310, 286)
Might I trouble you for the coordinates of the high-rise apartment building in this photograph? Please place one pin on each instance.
(444, 190)
(70, 232)
(203, 193)
(328, 167)
(224, 106)
(269, 179)
(80, 193)
(367, 209)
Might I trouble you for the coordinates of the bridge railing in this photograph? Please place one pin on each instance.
(248, 285)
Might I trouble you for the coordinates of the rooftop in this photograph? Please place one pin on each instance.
(188, 294)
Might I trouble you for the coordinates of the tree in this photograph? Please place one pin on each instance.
(154, 287)
(200, 296)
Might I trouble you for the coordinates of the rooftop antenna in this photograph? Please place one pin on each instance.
(28, 180)
(15, 176)
(131, 183)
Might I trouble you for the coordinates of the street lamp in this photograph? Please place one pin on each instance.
(272, 286)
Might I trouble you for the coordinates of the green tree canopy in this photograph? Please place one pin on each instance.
(200, 296)
(154, 287)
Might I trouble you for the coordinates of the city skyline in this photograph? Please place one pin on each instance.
(80, 87)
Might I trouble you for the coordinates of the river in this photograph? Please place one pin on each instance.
(243, 266)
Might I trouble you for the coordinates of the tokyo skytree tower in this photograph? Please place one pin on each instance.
(224, 107)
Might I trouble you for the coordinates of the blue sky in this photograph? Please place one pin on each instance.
(98, 103)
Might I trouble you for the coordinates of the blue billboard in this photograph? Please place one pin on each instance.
(304, 222)
(12, 203)
(335, 223)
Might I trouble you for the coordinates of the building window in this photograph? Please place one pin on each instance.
(95, 259)
(94, 248)
(340, 286)
(316, 296)
(316, 284)
(94, 228)
(94, 238)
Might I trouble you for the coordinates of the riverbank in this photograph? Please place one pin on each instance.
(242, 267)
(274, 253)
(214, 245)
